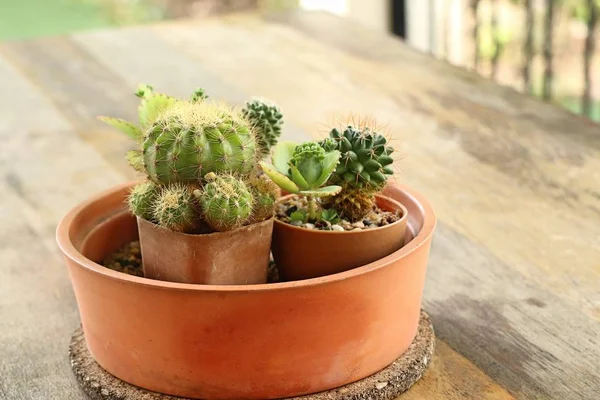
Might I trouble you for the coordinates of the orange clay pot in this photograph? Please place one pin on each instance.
(301, 253)
(242, 342)
(237, 257)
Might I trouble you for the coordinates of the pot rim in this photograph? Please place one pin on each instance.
(221, 233)
(353, 232)
(69, 250)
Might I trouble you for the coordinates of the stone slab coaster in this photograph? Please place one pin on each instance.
(386, 384)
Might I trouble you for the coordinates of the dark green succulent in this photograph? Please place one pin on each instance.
(365, 160)
(364, 167)
(267, 121)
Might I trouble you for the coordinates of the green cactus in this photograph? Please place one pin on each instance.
(183, 145)
(226, 202)
(365, 165)
(189, 140)
(365, 160)
(198, 95)
(265, 193)
(267, 120)
(303, 169)
(141, 199)
(175, 208)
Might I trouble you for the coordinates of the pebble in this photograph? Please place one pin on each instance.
(380, 385)
(309, 226)
(358, 224)
(337, 228)
(290, 210)
(296, 223)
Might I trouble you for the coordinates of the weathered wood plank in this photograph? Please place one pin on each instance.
(450, 376)
(514, 281)
(22, 108)
(81, 89)
(506, 213)
(526, 339)
(127, 52)
(543, 179)
(45, 169)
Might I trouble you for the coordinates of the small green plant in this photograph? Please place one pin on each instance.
(174, 208)
(303, 169)
(267, 121)
(226, 202)
(299, 216)
(365, 165)
(330, 215)
(200, 158)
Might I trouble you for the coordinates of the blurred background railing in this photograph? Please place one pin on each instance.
(545, 48)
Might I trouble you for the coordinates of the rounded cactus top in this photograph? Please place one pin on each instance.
(267, 120)
(365, 161)
(188, 140)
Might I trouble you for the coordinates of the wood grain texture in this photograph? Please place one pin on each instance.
(126, 52)
(530, 201)
(451, 376)
(38, 185)
(514, 281)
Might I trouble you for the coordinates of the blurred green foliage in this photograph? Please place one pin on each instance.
(21, 19)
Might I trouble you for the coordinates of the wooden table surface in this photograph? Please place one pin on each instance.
(513, 285)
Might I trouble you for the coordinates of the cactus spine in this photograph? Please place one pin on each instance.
(226, 202)
(201, 159)
(365, 165)
(265, 193)
(142, 198)
(174, 208)
(189, 140)
(267, 120)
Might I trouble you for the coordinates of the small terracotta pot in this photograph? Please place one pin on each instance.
(237, 257)
(301, 253)
(261, 341)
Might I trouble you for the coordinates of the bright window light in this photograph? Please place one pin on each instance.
(333, 6)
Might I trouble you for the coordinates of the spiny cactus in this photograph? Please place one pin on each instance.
(353, 205)
(265, 193)
(226, 202)
(185, 145)
(175, 208)
(198, 95)
(364, 167)
(189, 140)
(267, 120)
(365, 159)
(141, 199)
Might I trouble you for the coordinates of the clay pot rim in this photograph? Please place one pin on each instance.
(69, 250)
(231, 232)
(357, 232)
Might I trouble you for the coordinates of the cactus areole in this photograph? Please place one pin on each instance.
(189, 140)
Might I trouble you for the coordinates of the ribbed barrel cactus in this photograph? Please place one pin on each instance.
(200, 158)
(142, 198)
(303, 169)
(267, 120)
(365, 165)
(189, 140)
(175, 208)
(226, 202)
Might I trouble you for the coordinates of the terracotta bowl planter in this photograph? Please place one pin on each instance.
(242, 342)
(302, 253)
(237, 257)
